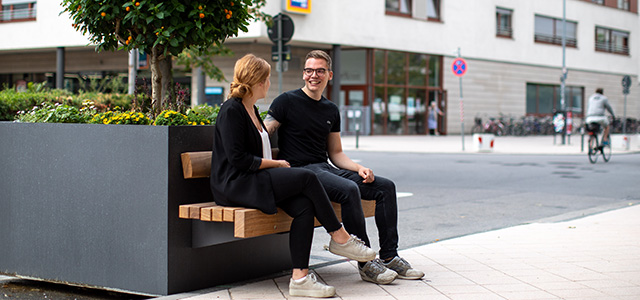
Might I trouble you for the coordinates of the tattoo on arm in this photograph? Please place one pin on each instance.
(271, 123)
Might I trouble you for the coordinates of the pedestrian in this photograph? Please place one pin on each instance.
(597, 105)
(308, 127)
(434, 112)
(243, 173)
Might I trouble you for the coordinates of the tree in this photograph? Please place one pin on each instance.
(162, 29)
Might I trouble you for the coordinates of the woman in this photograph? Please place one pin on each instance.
(434, 112)
(243, 173)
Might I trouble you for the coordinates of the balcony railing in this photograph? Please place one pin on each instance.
(608, 47)
(504, 31)
(555, 39)
(18, 14)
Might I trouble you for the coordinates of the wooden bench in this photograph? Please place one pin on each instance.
(248, 222)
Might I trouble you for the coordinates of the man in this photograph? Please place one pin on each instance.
(308, 127)
(597, 105)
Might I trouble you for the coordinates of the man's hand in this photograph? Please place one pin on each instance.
(366, 174)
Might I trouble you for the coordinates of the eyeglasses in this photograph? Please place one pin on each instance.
(319, 71)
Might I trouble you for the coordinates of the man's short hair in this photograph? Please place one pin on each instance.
(600, 91)
(319, 54)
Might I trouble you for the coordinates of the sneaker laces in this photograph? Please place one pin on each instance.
(312, 277)
(376, 266)
(357, 240)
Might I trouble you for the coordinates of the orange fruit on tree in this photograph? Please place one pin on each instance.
(128, 8)
(103, 14)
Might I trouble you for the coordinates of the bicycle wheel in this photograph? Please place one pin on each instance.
(606, 151)
(593, 149)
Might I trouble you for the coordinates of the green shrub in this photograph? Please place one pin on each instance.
(171, 118)
(49, 112)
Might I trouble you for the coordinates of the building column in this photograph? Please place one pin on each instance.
(133, 70)
(335, 87)
(60, 68)
(200, 84)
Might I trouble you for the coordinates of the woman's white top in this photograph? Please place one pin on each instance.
(266, 144)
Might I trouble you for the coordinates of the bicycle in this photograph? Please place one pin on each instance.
(593, 129)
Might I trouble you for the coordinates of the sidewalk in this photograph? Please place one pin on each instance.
(453, 144)
(595, 257)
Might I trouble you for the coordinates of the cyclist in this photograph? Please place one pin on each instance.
(597, 105)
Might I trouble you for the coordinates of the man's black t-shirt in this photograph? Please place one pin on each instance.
(305, 125)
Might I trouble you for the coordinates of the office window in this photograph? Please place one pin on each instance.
(433, 9)
(503, 22)
(398, 6)
(544, 99)
(549, 30)
(18, 10)
(610, 40)
(623, 4)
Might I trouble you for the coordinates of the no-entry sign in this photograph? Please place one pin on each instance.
(459, 67)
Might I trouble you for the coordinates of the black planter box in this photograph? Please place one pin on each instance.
(97, 205)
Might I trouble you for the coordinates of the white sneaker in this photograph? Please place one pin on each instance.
(375, 271)
(310, 287)
(403, 268)
(354, 249)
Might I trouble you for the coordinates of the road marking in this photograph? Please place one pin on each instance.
(403, 194)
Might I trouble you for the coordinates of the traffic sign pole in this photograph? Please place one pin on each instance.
(459, 68)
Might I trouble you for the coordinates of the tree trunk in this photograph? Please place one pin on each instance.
(161, 80)
(156, 80)
(167, 83)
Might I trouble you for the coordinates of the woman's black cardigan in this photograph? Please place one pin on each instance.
(237, 154)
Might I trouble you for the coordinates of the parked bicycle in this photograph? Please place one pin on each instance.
(595, 148)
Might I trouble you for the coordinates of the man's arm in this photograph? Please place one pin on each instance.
(271, 124)
(341, 160)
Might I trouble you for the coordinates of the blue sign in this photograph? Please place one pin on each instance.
(459, 67)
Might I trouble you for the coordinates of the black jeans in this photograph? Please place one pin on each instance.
(346, 187)
(298, 192)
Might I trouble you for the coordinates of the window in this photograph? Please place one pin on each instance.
(549, 30)
(601, 2)
(503, 22)
(610, 40)
(623, 4)
(14, 10)
(433, 9)
(398, 6)
(544, 99)
(402, 83)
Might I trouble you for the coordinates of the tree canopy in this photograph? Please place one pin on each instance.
(162, 29)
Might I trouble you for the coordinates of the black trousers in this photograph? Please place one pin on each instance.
(298, 192)
(346, 187)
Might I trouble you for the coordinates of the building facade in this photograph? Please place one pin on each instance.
(392, 57)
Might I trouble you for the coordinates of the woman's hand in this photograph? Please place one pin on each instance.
(283, 164)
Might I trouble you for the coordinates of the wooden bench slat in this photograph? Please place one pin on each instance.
(196, 164)
(192, 211)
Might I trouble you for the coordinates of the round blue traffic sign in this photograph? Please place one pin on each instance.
(459, 67)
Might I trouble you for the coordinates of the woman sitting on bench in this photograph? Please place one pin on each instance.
(243, 173)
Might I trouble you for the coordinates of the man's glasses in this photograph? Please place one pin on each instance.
(319, 72)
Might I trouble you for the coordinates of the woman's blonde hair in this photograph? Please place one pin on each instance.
(248, 71)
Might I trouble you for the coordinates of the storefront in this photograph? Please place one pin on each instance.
(392, 89)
